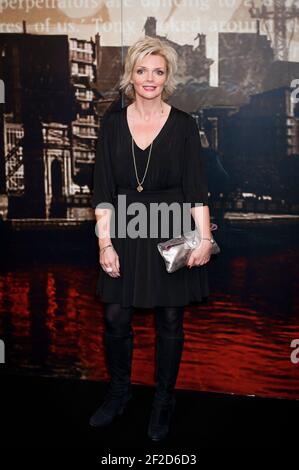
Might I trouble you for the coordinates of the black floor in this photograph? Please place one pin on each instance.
(47, 413)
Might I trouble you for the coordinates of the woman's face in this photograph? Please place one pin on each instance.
(149, 76)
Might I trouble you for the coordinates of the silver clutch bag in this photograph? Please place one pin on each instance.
(176, 251)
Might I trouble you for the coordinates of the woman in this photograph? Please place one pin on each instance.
(148, 152)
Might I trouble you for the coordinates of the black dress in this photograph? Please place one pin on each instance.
(175, 174)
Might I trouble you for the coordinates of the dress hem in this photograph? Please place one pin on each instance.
(197, 301)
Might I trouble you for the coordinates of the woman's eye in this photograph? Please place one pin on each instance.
(160, 72)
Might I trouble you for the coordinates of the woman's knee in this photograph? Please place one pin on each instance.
(117, 319)
(170, 320)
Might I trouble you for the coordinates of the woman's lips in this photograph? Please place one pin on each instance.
(149, 88)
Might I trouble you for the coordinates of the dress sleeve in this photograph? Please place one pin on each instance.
(194, 180)
(103, 181)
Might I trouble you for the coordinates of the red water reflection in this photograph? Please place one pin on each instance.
(238, 342)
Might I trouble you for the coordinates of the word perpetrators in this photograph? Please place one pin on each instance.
(27, 5)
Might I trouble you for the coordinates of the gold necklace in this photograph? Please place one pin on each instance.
(140, 187)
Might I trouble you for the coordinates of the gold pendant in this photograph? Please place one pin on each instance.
(139, 188)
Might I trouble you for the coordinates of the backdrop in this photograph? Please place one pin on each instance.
(238, 75)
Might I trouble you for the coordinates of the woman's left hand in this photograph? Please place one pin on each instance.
(200, 255)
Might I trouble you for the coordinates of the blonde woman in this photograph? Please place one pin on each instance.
(149, 152)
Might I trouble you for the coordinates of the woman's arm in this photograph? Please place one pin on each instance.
(103, 220)
(103, 185)
(195, 188)
(201, 216)
(202, 254)
(103, 198)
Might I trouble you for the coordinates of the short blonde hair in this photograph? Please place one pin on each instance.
(141, 48)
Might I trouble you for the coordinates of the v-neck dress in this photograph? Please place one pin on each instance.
(175, 174)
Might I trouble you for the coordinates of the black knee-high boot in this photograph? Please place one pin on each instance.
(119, 352)
(168, 358)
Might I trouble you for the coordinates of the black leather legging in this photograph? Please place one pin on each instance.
(118, 320)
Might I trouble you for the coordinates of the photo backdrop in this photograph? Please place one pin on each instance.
(238, 75)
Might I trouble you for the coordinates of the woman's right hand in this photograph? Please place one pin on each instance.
(109, 260)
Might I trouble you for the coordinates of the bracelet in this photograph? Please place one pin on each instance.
(211, 240)
(104, 248)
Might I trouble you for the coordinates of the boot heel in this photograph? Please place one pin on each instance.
(159, 425)
(123, 407)
(105, 414)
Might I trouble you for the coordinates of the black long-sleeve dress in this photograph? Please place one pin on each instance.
(175, 174)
